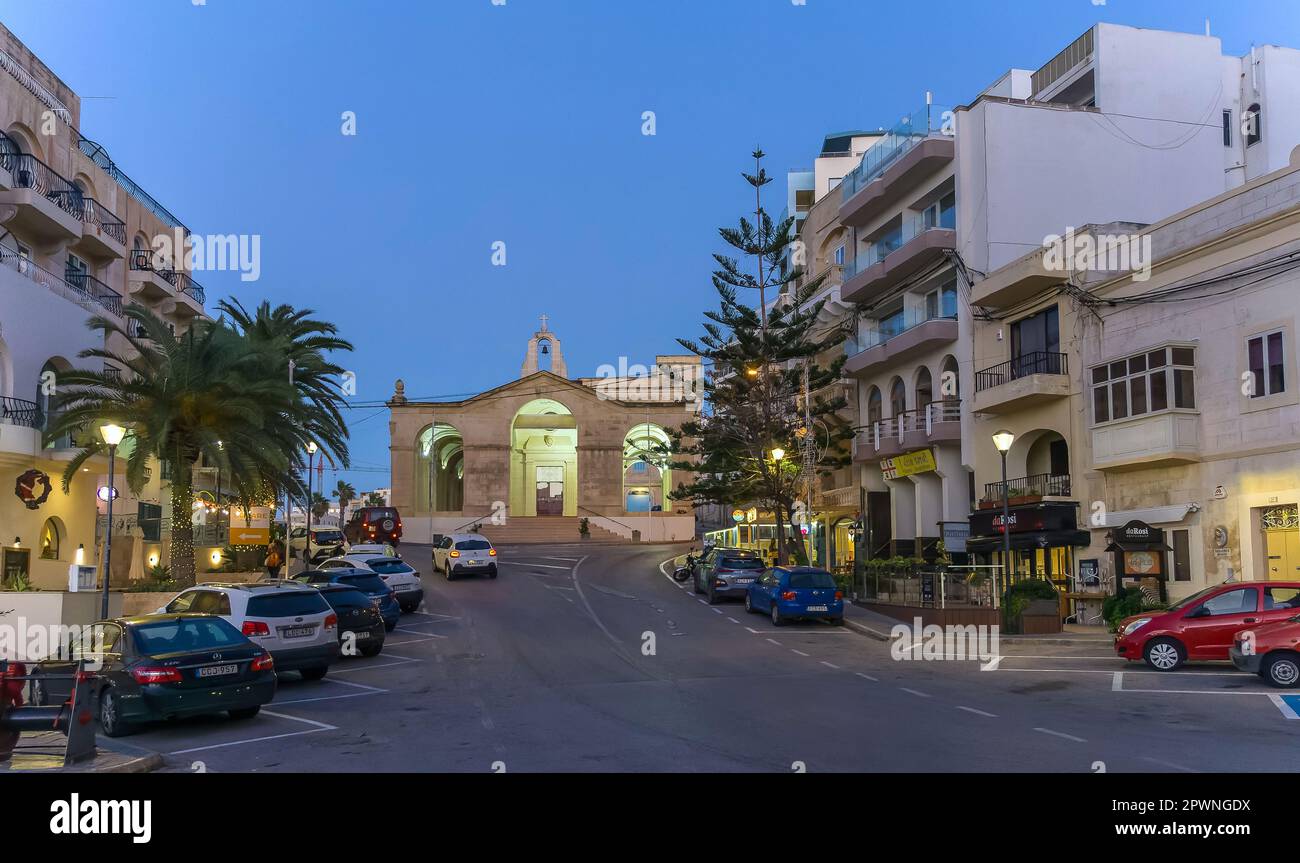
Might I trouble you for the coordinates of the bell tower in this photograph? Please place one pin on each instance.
(545, 341)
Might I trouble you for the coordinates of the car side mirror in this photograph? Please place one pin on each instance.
(161, 610)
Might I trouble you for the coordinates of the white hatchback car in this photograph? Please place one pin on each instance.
(465, 554)
(396, 573)
(291, 621)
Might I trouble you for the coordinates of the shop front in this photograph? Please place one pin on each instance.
(1043, 540)
(1140, 557)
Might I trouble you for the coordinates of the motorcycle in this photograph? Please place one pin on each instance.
(682, 573)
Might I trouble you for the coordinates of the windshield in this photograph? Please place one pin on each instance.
(290, 603)
(327, 535)
(473, 545)
(741, 563)
(388, 565)
(1193, 599)
(174, 636)
(370, 583)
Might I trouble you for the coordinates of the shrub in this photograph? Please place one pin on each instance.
(584, 527)
(1129, 602)
(1018, 596)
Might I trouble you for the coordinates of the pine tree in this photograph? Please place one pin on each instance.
(764, 390)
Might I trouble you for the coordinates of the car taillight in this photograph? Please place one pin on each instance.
(788, 595)
(262, 663)
(332, 621)
(156, 674)
(492, 552)
(454, 554)
(717, 582)
(839, 594)
(255, 627)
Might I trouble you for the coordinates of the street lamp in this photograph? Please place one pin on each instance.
(1003, 439)
(306, 549)
(112, 435)
(778, 454)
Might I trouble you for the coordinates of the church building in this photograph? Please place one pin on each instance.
(528, 460)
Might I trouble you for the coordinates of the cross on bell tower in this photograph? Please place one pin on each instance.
(550, 344)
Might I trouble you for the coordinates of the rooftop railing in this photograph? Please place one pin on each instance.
(909, 131)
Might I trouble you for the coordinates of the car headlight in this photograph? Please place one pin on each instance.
(1136, 625)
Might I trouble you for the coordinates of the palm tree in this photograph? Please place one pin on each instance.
(374, 499)
(208, 393)
(320, 504)
(346, 493)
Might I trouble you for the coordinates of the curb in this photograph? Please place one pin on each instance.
(863, 629)
(144, 760)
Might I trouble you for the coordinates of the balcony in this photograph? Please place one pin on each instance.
(1026, 489)
(1016, 282)
(837, 498)
(1026, 380)
(936, 422)
(84, 290)
(915, 147)
(47, 207)
(20, 436)
(1155, 440)
(103, 235)
(889, 346)
(146, 282)
(895, 257)
(188, 300)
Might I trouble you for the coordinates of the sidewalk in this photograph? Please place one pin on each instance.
(867, 622)
(42, 752)
(878, 626)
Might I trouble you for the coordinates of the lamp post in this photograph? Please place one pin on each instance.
(306, 548)
(1003, 439)
(777, 455)
(112, 435)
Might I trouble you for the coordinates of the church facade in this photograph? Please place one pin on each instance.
(545, 451)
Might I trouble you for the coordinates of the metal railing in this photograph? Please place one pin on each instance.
(188, 286)
(20, 412)
(99, 156)
(1036, 485)
(909, 131)
(878, 335)
(922, 419)
(1073, 54)
(95, 213)
(29, 172)
(925, 587)
(142, 259)
(84, 291)
(91, 287)
(1033, 363)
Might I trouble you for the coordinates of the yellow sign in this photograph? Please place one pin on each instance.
(249, 535)
(253, 528)
(737, 515)
(907, 464)
(752, 515)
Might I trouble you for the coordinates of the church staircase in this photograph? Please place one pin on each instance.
(544, 529)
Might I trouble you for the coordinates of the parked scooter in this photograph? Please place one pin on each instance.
(682, 573)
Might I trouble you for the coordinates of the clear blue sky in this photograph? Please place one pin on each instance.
(520, 123)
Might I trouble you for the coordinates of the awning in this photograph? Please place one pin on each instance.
(1031, 539)
(1151, 515)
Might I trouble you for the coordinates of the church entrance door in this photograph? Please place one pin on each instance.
(550, 490)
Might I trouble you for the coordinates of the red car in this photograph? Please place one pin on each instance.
(1202, 626)
(1272, 651)
(381, 524)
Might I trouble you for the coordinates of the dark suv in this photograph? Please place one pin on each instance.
(726, 572)
(380, 524)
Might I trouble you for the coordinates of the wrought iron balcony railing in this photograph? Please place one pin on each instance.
(188, 286)
(1033, 363)
(29, 172)
(82, 290)
(92, 288)
(142, 260)
(20, 412)
(95, 213)
(1036, 485)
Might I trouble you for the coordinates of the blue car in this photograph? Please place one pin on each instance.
(795, 592)
(364, 580)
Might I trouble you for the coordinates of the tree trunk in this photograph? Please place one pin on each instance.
(780, 533)
(182, 549)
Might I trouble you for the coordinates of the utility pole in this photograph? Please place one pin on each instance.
(288, 503)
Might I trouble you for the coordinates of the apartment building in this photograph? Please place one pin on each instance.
(1121, 130)
(76, 235)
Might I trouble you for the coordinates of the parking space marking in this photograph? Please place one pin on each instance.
(542, 565)
(916, 692)
(774, 641)
(402, 660)
(866, 677)
(752, 630)
(977, 712)
(431, 614)
(357, 685)
(319, 727)
(733, 620)
(800, 652)
(1288, 704)
(424, 636)
(1169, 764)
(1060, 734)
(830, 665)
(330, 697)
(1117, 682)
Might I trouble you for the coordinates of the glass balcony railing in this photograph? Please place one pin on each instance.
(879, 332)
(911, 228)
(911, 130)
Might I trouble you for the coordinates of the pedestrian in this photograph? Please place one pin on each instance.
(273, 562)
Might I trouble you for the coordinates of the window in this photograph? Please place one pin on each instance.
(839, 256)
(210, 602)
(1264, 356)
(182, 603)
(942, 213)
(1281, 597)
(1143, 384)
(50, 540)
(1252, 125)
(942, 302)
(897, 398)
(1182, 556)
(1036, 345)
(891, 325)
(149, 518)
(1227, 127)
(1237, 601)
(875, 410)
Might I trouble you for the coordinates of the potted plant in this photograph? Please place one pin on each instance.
(584, 528)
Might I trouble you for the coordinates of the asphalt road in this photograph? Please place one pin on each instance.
(549, 668)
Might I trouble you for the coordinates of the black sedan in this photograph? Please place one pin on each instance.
(160, 667)
(361, 625)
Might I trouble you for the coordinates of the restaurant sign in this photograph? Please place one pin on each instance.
(907, 464)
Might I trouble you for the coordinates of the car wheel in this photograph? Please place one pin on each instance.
(492, 573)
(446, 570)
(749, 605)
(371, 649)
(40, 698)
(1163, 654)
(1281, 670)
(837, 621)
(712, 597)
(777, 619)
(110, 714)
(389, 627)
(314, 673)
(244, 712)
(695, 583)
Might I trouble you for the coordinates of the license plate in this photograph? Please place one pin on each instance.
(361, 636)
(218, 670)
(816, 608)
(744, 581)
(473, 562)
(297, 631)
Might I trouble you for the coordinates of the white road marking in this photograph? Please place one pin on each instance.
(800, 652)
(1287, 710)
(329, 697)
(1170, 764)
(915, 692)
(830, 665)
(319, 727)
(752, 630)
(866, 677)
(1117, 682)
(555, 587)
(357, 685)
(428, 636)
(774, 641)
(717, 611)
(541, 565)
(992, 664)
(1060, 734)
(977, 712)
(430, 614)
(733, 620)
